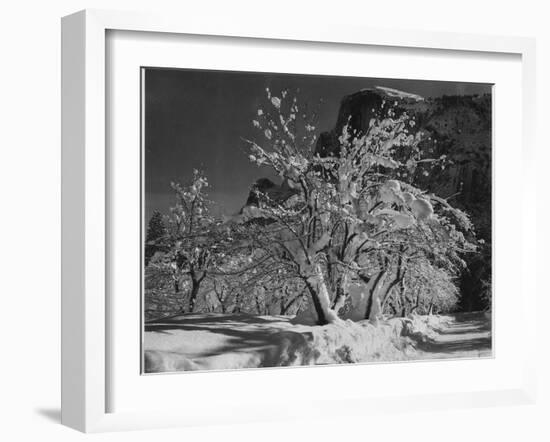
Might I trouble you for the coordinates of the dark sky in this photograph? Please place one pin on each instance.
(196, 119)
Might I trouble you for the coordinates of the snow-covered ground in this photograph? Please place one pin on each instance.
(222, 341)
(463, 335)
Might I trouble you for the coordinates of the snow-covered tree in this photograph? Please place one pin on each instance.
(352, 216)
(190, 244)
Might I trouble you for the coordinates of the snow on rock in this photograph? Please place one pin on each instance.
(395, 93)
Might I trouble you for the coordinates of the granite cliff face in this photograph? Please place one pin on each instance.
(456, 126)
(275, 192)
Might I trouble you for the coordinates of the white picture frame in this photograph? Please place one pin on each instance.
(85, 307)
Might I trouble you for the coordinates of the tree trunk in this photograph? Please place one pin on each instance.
(398, 277)
(193, 295)
(380, 292)
(416, 304)
(237, 308)
(375, 306)
(285, 308)
(386, 290)
(340, 299)
(321, 318)
(177, 291)
(195, 285)
(373, 292)
(340, 287)
(317, 287)
(258, 305)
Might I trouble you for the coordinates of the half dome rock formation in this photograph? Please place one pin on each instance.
(394, 93)
(263, 191)
(458, 127)
(278, 193)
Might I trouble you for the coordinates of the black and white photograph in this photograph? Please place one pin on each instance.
(293, 220)
(244, 221)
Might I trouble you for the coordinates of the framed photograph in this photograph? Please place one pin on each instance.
(289, 221)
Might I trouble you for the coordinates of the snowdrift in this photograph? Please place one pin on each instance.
(221, 342)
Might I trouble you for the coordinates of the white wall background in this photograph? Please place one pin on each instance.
(30, 219)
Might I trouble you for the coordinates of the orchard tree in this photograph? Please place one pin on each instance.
(247, 280)
(190, 227)
(351, 216)
(189, 243)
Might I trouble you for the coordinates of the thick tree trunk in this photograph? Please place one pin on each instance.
(320, 296)
(321, 318)
(376, 306)
(177, 289)
(193, 295)
(195, 285)
(374, 283)
(380, 296)
(340, 299)
(382, 289)
(340, 287)
(258, 304)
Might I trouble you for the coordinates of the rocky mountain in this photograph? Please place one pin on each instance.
(275, 192)
(456, 126)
